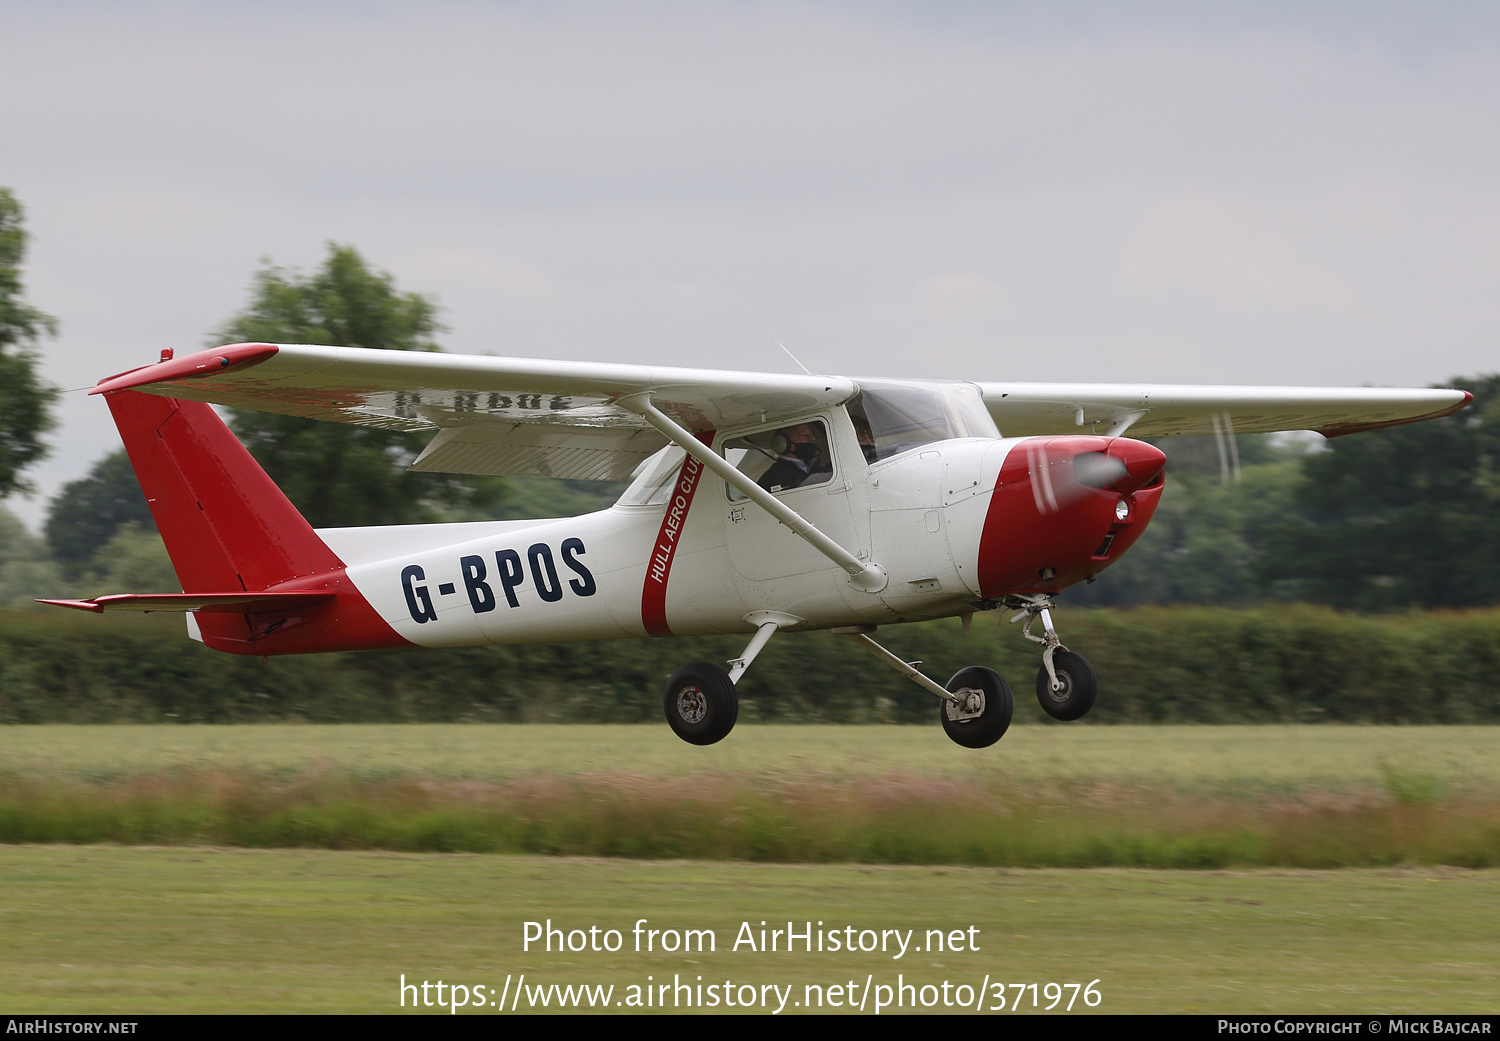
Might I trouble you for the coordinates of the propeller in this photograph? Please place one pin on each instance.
(1126, 465)
(1229, 449)
(1098, 470)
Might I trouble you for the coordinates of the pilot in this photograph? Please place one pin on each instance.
(797, 462)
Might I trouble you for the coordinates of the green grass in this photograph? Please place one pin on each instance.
(891, 819)
(188, 925)
(1193, 758)
(127, 930)
(1202, 797)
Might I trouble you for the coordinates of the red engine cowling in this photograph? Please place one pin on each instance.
(1057, 516)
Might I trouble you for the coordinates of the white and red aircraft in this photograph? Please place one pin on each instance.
(759, 502)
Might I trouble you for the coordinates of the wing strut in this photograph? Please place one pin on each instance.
(863, 574)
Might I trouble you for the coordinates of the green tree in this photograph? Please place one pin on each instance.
(132, 561)
(1402, 517)
(25, 571)
(87, 512)
(24, 398)
(337, 474)
(1206, 541)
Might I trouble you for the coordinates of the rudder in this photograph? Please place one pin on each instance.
(228, 527)
(225, 523)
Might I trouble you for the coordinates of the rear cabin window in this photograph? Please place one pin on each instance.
(654, 479)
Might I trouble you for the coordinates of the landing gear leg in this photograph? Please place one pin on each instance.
(701, 703)
(976, 706)
(1065, 684)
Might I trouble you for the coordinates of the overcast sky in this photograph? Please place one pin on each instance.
(1204, 193)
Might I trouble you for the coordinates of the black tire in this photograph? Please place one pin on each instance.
(990, 725)
(701, 705)
(1080, 687)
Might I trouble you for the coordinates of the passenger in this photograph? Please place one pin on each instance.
(866, 438)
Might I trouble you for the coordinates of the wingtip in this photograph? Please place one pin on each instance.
(1360, 428)
(231, 358)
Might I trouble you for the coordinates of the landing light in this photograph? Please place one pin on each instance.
(1122, 510)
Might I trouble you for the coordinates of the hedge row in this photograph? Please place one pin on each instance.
(1178, 665)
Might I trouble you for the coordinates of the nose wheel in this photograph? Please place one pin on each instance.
(1071, 693)
(1065, 684)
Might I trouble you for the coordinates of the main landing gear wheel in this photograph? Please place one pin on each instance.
(986, 717)
(1079, 686)
(701, 704)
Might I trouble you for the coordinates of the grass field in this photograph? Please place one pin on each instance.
(1195, 758)
(1201, 797)
(132, 930)
(199, 927)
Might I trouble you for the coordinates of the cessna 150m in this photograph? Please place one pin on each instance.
(759, 502)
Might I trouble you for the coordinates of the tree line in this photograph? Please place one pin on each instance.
(1270, 664)
(1385, 520)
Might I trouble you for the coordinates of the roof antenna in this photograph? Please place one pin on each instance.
(792, 356)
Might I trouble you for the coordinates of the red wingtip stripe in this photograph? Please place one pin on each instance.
(232, 358)
(1340, 431)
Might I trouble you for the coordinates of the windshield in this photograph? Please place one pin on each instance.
(898, 416)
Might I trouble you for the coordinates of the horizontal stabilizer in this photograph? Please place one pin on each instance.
(221, 603)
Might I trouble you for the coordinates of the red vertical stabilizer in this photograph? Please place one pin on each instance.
(228, 528)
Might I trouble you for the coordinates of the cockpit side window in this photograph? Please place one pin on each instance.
(779, 460)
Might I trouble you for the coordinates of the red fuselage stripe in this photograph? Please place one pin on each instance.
(659, 567)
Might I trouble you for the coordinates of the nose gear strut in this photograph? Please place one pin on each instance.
(1065, 685)
(1032, 607)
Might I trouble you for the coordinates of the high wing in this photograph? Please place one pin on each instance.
(1147, 410)
(527, 417)
(514, 416)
